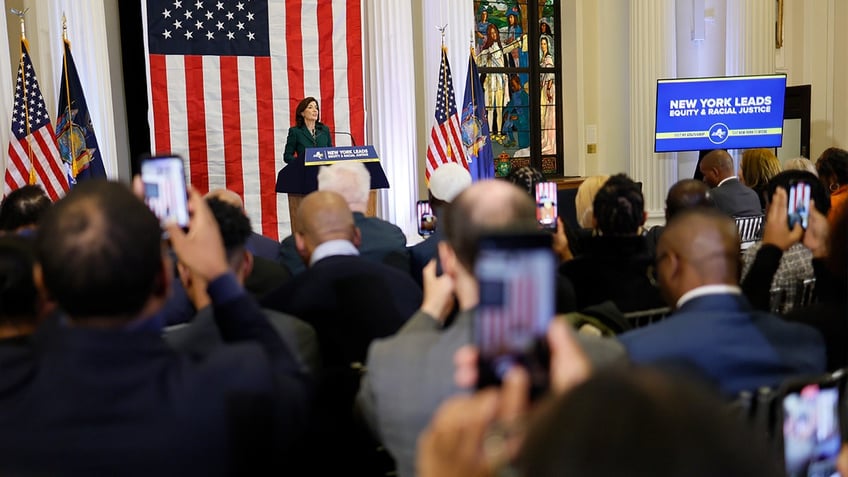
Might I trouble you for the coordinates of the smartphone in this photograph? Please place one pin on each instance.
(165, 188)
(810, 413)
(516, 276)
(546, 205)
(798, 209)
(426, 219)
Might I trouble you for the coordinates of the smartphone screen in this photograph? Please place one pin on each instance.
(426, 219)
(516, 275)
(165, 188)
(812, 433)
(798, 209)
(546, 206)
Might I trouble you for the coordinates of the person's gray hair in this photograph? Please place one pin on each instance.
(800, 164)
(351, 180)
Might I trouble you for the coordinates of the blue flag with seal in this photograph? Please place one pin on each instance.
(74, 132)
(475, 127)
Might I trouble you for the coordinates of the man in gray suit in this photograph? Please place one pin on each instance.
(409, 374)
(729, 195)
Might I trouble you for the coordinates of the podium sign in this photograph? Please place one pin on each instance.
(322, 156)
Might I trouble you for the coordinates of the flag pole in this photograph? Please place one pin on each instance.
(445, 79)
(21, 16)
(473, 78)
(69, 119)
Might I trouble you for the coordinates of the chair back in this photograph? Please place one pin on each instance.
(642, 318)
(750, 229)
(782, 300)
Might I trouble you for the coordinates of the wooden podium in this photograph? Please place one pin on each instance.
(300, 177)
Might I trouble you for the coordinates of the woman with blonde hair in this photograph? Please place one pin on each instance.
(756, 169)
(585, 197)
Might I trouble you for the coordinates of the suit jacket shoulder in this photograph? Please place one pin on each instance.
(736, 199)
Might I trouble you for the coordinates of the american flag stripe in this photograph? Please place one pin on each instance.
(325, 61)
(354, 66)
(227, 105)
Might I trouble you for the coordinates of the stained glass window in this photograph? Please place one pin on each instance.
(515, 41)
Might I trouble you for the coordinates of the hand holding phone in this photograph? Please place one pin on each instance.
(798, 207)
(516, 274)
(546, 205)
(165, 188)
(812, 428)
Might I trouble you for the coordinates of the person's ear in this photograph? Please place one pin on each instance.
(246, 266)
(357, 237)
(38, 281)
(299, 243)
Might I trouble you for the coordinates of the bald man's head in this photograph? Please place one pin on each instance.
(716, 166)
(698, 247)
(325, 216)
(226, 196)
(486, 206)
(687, 194)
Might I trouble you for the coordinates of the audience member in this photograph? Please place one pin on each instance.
(526, 178)
(585, 198)
(265, 273)
(109, 397)
(410, 374)
(713, 328)
(258, 244)
(685, 194)
(616, 262)
(381, 241)
(756, 169)
(800, 164)
(781, 263)
(350, 301)
(22, 208)
(21, 309)
(730, 195)
(446, 182)
(201, 336)
(833, 172)
(830, 263)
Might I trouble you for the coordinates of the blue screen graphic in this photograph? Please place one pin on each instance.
(738, 112)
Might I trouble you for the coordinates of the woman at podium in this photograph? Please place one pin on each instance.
(295, 179)
(307, 132)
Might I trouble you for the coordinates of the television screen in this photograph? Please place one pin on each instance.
(733, 112)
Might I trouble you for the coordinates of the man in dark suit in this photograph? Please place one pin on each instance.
(380, 241)
(350, 301)
(108, 396)
(729, 195)
(446, 182)
(201, 336)
(713, 328)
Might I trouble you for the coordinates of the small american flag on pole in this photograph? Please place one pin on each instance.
(33, 152)
(445, 143)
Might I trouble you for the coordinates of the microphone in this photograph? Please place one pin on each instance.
(352, 140)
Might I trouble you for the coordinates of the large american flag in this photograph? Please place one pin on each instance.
(33, 152)
(445, 143)
(225, 78)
